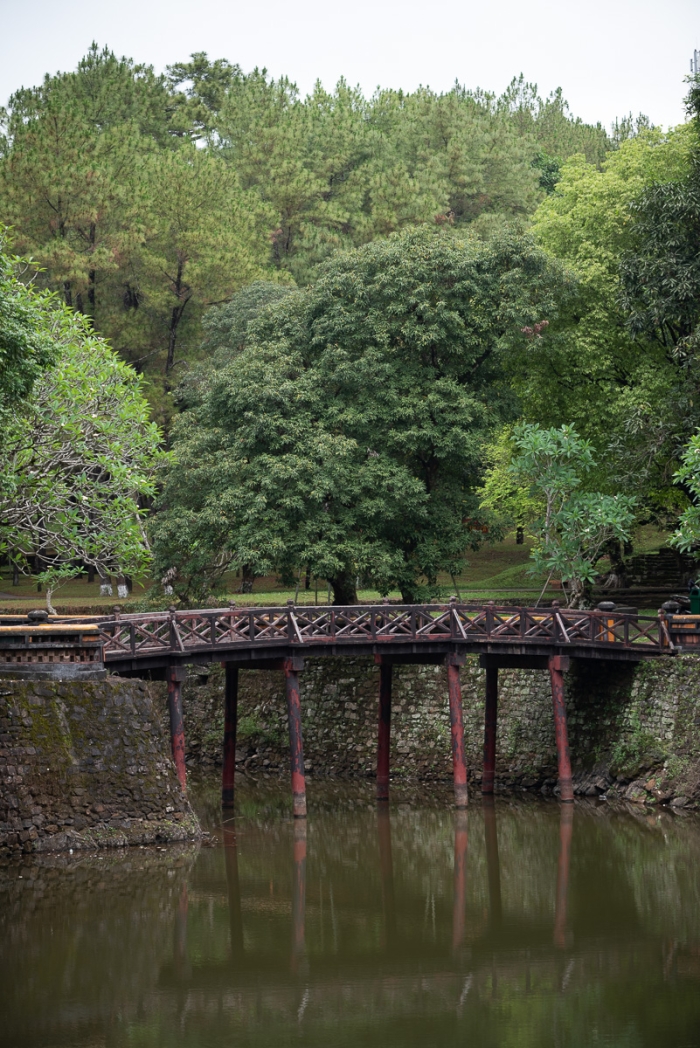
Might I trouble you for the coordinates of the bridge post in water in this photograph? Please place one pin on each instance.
(228, 775)
(292, 668)
(384, 731)
(557, 664)
(459, 764)
(175, 677)
(490, 729)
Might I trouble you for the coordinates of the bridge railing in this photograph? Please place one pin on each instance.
(178, 632)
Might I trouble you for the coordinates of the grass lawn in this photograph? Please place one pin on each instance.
(496, 571)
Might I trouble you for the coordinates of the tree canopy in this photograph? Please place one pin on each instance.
(347, 435)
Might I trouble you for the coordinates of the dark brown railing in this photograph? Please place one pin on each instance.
(180, 632)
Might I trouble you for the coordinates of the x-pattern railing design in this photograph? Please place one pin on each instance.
(179, 632)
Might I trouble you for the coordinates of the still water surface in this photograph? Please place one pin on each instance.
(521, 924)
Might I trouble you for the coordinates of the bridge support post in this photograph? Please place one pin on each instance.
(291, 671)
(459, 765)
(176, 675)
(228, 775)
(557, 665)
(384, 732)
(490, 729)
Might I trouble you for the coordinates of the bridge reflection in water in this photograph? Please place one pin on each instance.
(493, 933)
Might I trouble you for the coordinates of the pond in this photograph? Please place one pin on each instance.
(521, 923)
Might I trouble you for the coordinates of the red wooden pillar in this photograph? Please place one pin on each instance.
(490, 728)
(384, 733)
(175, 677)
(459, 765)
(566, 829)
(460, 877)
(228, 775)
(557, 665)
(291, 671)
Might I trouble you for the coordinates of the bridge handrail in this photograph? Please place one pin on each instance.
(145, 633)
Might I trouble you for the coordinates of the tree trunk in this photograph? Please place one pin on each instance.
(247, 579)
(617, 578)
(15, 574)
(92, 276)
(344, 591)
(182, 294)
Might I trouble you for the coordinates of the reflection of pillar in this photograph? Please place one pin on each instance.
(175, 676)
(459, 764)
(566, 827)
(235, 916)
(180, 946)
(228, 775)
(556, 667)
(296, 744)
(384, 733)
(386, 868)
(490, 728)
(492, 862)
(299, 893)
(460, 876)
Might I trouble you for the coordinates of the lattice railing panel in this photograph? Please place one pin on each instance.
(183, 631)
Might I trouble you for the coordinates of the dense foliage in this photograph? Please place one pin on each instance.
(26, 344)
(347, 435)
(141, 230)
(334, 300)
(78, 458)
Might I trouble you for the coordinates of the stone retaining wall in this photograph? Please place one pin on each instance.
(86, 765)
(632, 729)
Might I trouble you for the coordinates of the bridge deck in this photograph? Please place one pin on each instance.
(397, 632)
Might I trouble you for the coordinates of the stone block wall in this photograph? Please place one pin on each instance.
(84, 765)
(632, 728)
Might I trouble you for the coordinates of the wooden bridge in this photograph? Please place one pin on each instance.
(162, 644)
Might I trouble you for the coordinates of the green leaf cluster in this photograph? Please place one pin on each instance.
(575, 525)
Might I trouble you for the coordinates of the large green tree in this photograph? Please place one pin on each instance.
(78, 462)
(347, 436)
(617, 386)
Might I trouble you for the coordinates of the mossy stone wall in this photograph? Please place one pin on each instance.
(84, 765)
(633, 728)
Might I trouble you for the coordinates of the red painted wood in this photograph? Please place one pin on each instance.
(177, 728)
(490, 729)
(566, 791)
(459, 765)
(228, 775)
(384, 732)
(295, 740)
